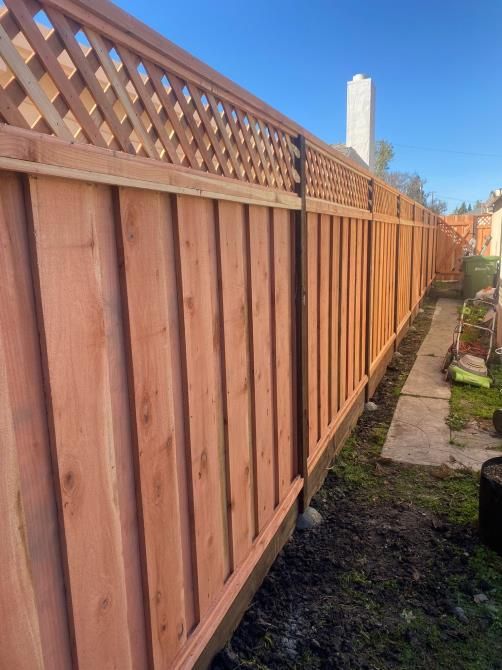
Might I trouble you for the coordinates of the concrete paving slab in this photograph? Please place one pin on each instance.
(471, 458)
(426, 379)
(440, 335)
(418, 433)
(477, 438)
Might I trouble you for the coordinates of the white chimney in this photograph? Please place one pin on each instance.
(361, 118)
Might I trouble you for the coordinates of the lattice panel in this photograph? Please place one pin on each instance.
(452, 234)
(330, 179)
(484, 220)
(65, 79)
(384, 200)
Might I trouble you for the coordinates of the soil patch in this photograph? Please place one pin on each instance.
(394, 577)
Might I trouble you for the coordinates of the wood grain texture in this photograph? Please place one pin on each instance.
(343, 322)
(261, 299)
(351, 304)
(335, 313)
(324, 316)
(67, 223)
(312, 333)
(197, 251)
(26, 444)
(115, 327)
(21, 645)
(236, 324)
(150, 289)
(283, 258)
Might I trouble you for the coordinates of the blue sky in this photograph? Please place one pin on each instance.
(437, 67)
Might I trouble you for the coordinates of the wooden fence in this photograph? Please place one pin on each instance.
(196, 296)
(454, 235)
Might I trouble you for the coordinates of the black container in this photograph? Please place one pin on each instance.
(490, 508)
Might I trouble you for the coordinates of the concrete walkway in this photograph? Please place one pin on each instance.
(418, 433)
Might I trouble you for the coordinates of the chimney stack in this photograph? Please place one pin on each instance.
(361, 118)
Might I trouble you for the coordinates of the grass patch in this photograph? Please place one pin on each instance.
(452, 494)
(470, 402)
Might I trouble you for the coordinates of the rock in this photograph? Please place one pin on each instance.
(407, 615)
(460, 614)
(420, 310)
(370, 406)
(309, 519)
(480, 598)
(398, 354)
(289, 646)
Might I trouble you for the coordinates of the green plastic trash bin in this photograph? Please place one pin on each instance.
(479, 272)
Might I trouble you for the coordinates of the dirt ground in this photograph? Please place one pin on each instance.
(394, 577)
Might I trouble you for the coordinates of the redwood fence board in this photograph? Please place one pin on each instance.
(154, 219)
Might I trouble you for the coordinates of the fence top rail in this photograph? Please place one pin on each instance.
(89, 73)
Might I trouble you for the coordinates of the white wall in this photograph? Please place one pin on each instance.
(361, 118)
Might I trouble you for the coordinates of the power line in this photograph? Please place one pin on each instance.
(447, 151)
(449, 197)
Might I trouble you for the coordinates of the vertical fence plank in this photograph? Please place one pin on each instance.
(364, 302)
(344, 278)
(283, 256)
(150, 290)
(351, 305)
(384, 296)
(259, 249)
(392, 278)
(358, 291)
(197, 250)
(26, 450)
(106, 242)
(324, 326)
(375, 275)
(67, 217)
(313, 317)
(335, 313)
(21, 644)
(235, 318)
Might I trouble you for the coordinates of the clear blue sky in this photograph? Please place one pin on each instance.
(436, 64)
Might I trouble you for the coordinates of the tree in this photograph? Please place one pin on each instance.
(384, 153)
(409, 183)
(463, 208)
(438, 206)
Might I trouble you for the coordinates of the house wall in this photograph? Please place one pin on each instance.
(496, 249)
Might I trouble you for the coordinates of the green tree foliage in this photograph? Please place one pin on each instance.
(409, 183)
(413, 185)
(463, 208)
(384, 153)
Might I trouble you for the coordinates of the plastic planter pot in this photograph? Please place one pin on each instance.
(490, 504)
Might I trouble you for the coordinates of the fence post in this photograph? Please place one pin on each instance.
(301, 325)
(369, 283)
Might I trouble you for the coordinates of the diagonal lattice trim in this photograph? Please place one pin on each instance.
(65, 78)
